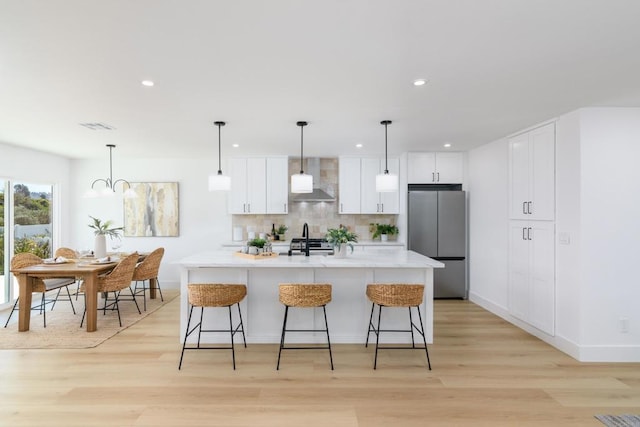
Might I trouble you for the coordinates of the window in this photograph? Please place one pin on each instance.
(25, 226)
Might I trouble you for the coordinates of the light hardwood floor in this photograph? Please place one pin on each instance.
(486, 372)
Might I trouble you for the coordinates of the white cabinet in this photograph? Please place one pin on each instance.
(372, 202)
(277, 185)
(435, 168)
(259, 185)
(532, 174)
(357, 182)
(532, 273)
(349, 185)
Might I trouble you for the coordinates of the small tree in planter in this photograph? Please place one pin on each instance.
(101, 230)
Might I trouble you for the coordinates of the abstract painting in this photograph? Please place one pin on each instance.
(153, 212)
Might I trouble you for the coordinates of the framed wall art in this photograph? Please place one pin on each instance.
(154, 210)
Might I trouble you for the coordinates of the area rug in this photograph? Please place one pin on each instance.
(63, 327)
(624, 420)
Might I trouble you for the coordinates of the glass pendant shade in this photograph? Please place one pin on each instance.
(301, 183)
(386, 183)
(219, 182)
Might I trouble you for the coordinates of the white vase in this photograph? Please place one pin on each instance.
(340, 251)
(100, 246)
(384, 237)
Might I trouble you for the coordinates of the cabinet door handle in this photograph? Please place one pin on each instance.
(529, 234)
(433, 177)
(248, 207)
(524, 207)
(524, 237)
(438, 175)
(529, 208)
(244, 207)
(341, 208)
(382, 207)
(285, 207)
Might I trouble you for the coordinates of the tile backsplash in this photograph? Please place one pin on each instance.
(320, 216)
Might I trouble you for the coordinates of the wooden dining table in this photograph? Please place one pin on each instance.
(86, 271)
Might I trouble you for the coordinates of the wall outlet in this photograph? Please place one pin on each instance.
(564, 238)
(624, 324)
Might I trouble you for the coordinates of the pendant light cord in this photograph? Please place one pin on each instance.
(386, 166)
(302, 125)
(219, 124)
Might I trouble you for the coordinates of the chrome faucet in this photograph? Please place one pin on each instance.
(305, 234)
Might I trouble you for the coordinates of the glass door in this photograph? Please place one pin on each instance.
(5, 294)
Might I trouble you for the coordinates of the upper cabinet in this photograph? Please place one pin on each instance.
(435, 168)
(259, 185)
(532, 174)
(357, 181)
(277, 185)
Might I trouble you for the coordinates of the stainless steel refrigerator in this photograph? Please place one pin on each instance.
(437, 229)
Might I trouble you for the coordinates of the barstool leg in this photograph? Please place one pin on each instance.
(375, 361)
(413, 344)
(370, 325)
(186, 334)
(200, 326)
(424, 339)
(233, 351)
(324, 309)
(242, 326)
(284, 326)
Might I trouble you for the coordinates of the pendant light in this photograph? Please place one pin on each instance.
(386, 182)
(301, 182)
(219, 182)
(110, 185)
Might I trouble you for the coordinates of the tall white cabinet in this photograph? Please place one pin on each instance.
(532, 227)
(357, 181)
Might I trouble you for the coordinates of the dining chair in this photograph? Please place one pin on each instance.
(70, 254)
(41, 286)
(145, 271)
(114, 282)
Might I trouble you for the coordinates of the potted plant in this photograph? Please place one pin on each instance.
(101, 230)
(340, 238)
(383, 231)
(256, 245)
(280, 231)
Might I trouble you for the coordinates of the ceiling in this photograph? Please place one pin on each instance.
(494, 67)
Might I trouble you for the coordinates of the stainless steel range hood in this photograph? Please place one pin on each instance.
(318, 194)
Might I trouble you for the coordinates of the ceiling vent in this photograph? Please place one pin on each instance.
(97, 126)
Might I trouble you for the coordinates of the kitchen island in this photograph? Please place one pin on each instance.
(348, 312)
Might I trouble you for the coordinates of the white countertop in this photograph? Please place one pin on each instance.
(369, 259)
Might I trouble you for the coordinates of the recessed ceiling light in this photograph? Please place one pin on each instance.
(147, 83)
(420, 82)
(358, 145)
(235, 145)
(447, 145)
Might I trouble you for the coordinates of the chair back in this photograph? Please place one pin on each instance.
(120, 277)
(66, 253)
(148, 268)
(26, 259)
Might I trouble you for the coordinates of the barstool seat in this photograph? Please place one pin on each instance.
(214, 295)
(306, 295)
(396, 295)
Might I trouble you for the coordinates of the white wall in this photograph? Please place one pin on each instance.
(36, 167)
(204, 222)
(610, 223)
(488, 215)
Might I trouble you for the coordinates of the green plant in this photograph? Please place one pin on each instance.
(341, 236)
(380, 229)
(281, 229)
(259, 243)
(104, 228)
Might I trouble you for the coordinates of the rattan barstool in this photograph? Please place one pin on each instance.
(214, 295)
(307, 295)
(396, 295)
